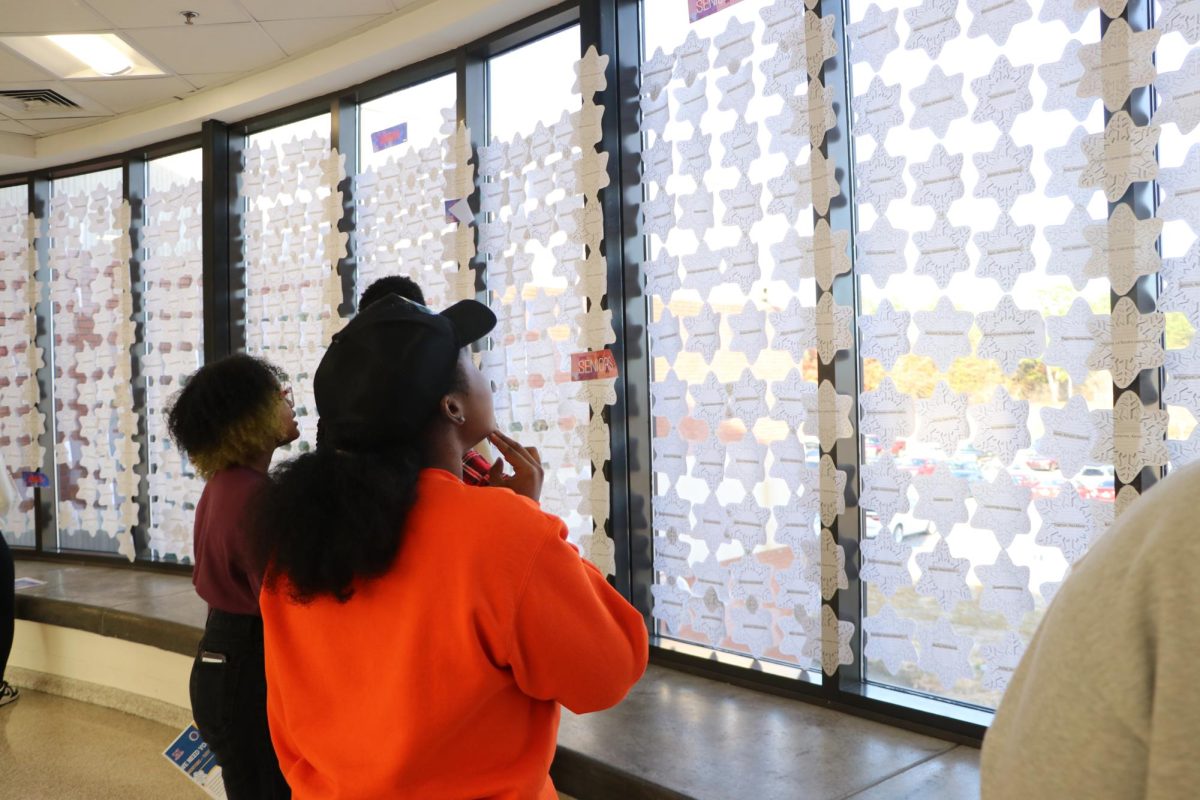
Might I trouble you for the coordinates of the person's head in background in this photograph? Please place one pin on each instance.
(392, 284)
(397, 391)
(232, 412)
(380, 288)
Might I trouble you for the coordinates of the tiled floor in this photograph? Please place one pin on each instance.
(51, 747)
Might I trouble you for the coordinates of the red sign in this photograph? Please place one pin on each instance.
(699, 9)
(593, 365)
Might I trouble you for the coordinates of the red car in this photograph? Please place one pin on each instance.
(1041, 463)
(917, 465)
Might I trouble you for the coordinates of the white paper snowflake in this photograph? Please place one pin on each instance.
(1001, 507)
(1071, 523)
(887, 414)
(943, 251)
(1073, 337)
(1010, 334)
(942, 418)
(1119, 63)
(1070, 435)
(1123, 249)
(1001, 426)
(996, 20)
(1123, 154)
(939, 180)
(885, 489)
(1181, 187)
(1006, 252)
(1070, 249)
(943, 577)
(884, 334)
(889, 639)
(880, 180)
(1131, 343)
(1003, 93)
(1000, 661)
(1179, 102)
(1004, 173)
(740, 145)
(880, 251)
(1066, 164)
(1062, 80)
(874, 37)
(735, 45)
(932, 24)
(942, 499)
(878, 110)
(943, 333)
(1180, 16)
(938, 102)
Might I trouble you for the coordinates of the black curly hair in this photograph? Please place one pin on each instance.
(227, 412)
(391, 284)
(331, 518)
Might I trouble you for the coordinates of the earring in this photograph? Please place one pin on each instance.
(459, 420)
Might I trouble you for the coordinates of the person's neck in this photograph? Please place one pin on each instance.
(443, 451)
(260, 463)
(444, 460)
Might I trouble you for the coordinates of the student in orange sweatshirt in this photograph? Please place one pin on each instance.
(422, 634)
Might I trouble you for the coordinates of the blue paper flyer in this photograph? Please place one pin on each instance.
(190, 753)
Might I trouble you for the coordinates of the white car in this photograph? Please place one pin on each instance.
(902, 525)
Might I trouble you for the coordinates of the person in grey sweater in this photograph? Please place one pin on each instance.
(1105, 704)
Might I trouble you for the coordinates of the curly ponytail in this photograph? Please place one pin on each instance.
(332, 517)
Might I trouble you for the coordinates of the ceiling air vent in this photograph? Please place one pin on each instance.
(30, 101)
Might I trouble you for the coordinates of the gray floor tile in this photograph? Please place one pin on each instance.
(51, 747)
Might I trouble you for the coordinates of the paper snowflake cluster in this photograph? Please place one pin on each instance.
(96, 448)
(292, 249)
(541, 227)
(173, 332)
(21, 424)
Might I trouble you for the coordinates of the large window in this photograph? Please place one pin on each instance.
(290, 176)
(732, 287)
(412, 193)
(540, 234)
(96, 446)
(173, 304)
(974, 230)
(21, 423)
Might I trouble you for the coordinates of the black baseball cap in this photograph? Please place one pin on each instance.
(382, 377)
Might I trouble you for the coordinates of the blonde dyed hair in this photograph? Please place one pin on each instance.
(244, 439)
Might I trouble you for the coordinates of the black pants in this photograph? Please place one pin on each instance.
(229, 703)
(8, 603)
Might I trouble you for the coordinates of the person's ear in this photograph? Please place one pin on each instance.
(453, 409)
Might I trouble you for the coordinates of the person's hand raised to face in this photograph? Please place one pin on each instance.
(526, 463)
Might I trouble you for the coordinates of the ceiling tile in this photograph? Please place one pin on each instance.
(130, 95)
(307, 9)
(15, 69)
(238, 47)
(207, 80)
(140, 14)
(57, 125)
(50, 16)
(300, 35)
(12, 126)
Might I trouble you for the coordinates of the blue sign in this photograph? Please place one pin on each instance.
(389, 137)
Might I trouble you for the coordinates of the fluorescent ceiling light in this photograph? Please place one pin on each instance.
(79, 56)
(95, 51)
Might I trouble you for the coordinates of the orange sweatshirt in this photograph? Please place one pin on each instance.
(443, 678)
